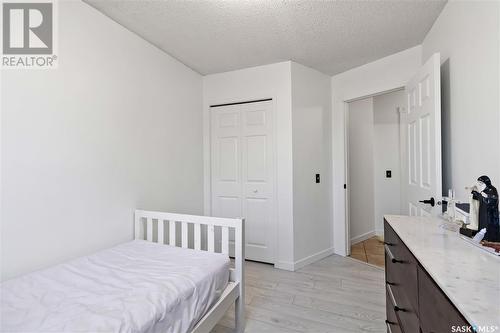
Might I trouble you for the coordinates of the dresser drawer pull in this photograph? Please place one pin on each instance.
(393, 300)
(388, 325)
(391, 256)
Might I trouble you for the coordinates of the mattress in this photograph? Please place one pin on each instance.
(137, 286)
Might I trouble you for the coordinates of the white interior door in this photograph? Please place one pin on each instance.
(242, 172)
(422, 123)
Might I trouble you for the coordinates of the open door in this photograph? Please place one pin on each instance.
(422, 124)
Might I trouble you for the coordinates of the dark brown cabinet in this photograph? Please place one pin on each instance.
(414, 302)
(436, 312)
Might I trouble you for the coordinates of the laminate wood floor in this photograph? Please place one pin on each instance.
(370, 251)
(336, 294)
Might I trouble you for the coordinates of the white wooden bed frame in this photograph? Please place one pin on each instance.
(147, 221)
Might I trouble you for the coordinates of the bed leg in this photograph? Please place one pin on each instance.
(239, 249)
(239, 314)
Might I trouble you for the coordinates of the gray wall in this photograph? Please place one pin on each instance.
(311, 144)
(386, 155)
(373, 148)
(117, 126)
(361, 169)
(467, 35)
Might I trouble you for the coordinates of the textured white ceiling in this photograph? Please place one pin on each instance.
(330, 36)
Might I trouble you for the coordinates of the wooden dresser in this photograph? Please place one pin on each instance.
(415, 303)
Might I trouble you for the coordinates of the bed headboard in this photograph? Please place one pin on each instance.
(155, 226)
(163, 228)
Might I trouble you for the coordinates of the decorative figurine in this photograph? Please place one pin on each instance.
(487, 195)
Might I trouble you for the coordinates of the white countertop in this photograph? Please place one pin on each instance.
(469, 276)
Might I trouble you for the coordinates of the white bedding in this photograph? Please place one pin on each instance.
(138, 286)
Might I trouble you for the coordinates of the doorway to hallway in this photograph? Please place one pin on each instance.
(374, 172)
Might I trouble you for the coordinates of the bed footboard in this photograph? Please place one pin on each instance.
(162, 228)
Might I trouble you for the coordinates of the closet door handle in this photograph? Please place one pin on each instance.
(391, 256)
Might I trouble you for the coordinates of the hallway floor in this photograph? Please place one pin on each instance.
(370, 251)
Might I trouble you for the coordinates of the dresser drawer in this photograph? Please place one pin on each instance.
(391, 323)
(406, 314)
(403, 282)
(436, 312)
(401, 270)
(390, 236)
(396, 245)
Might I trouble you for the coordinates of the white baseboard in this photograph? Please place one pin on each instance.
(312, 258)
(362, 237)
(293, 266)
(285, 265)
(341, 252)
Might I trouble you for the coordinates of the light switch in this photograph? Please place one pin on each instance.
(388, 173)
(317, 178)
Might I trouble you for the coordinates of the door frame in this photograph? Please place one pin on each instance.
(207, 164)
(347, 192)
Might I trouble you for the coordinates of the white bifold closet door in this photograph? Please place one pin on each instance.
(242, 167)
(422, 123)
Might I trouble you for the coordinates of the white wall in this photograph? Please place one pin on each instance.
(361, 169)
(382, 75)
(386, 153)
(270, 81)
(311, 137)
(117, 126)
(467, 34)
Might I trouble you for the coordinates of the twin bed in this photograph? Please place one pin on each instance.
(176, 276)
